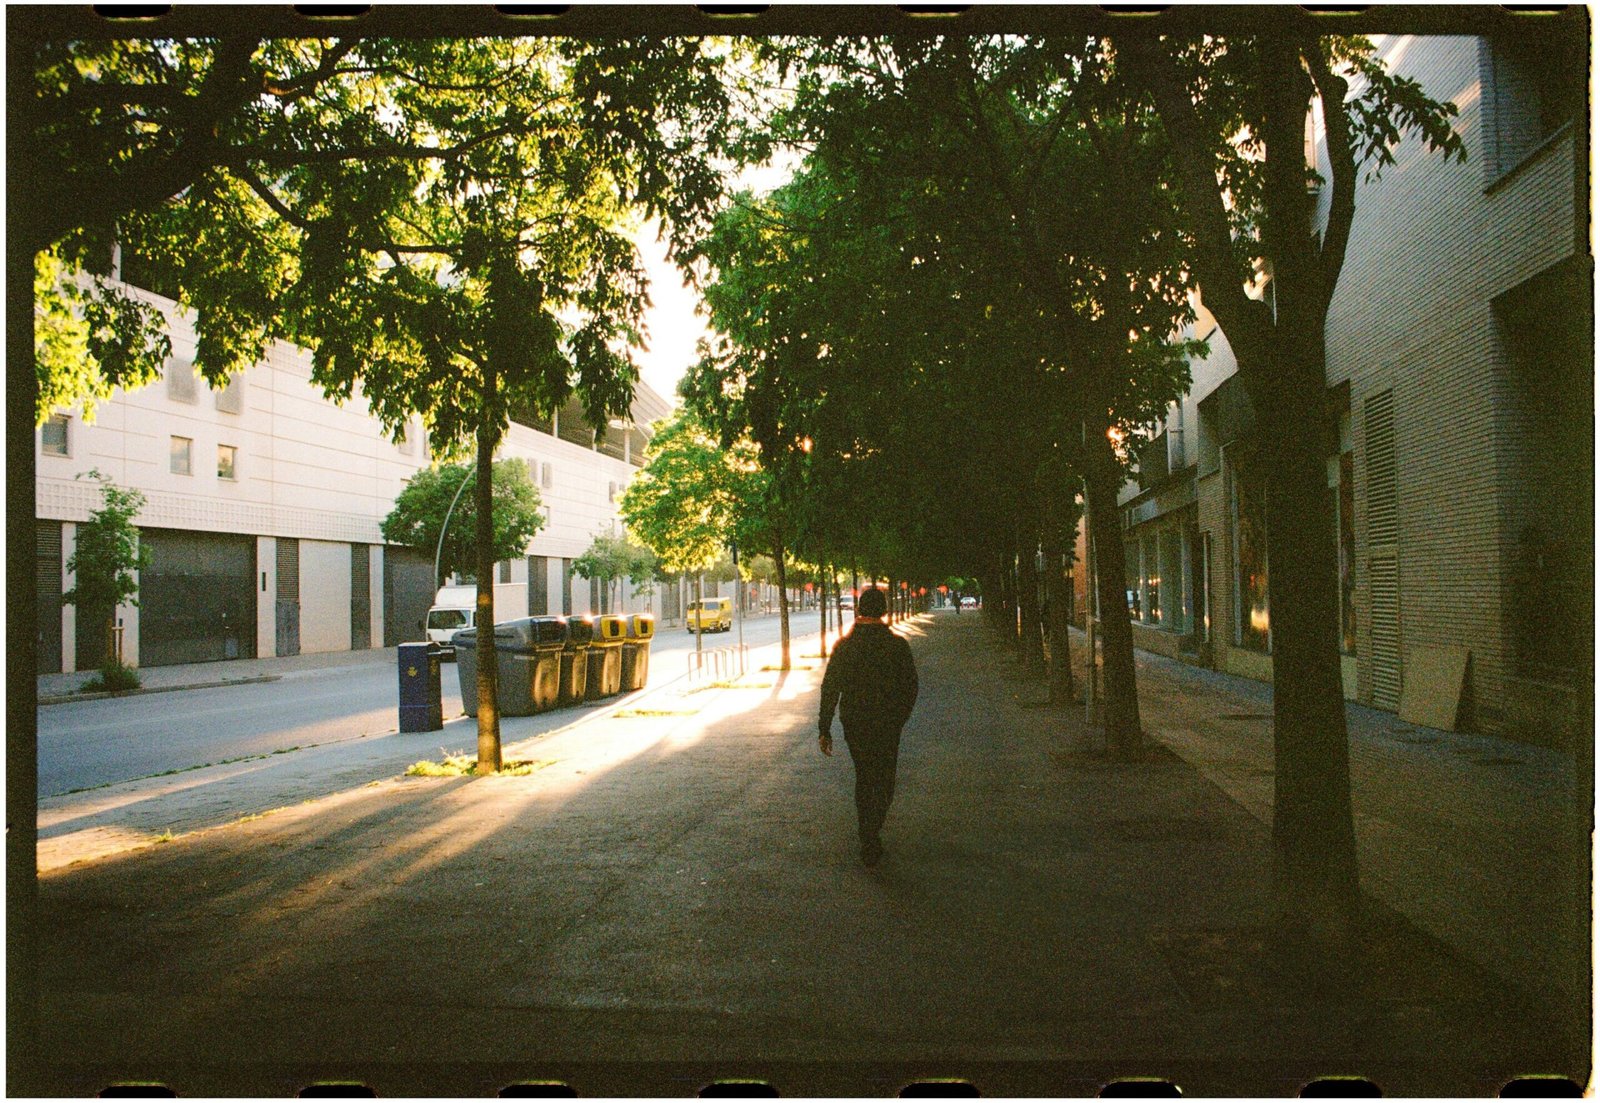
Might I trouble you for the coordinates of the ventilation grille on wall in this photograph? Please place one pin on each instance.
(1383, 526)
(180, 380)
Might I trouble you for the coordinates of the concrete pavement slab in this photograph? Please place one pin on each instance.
(676, 897)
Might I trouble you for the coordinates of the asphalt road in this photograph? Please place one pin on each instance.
(89, 743)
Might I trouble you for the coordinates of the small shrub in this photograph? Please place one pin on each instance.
(113, 676)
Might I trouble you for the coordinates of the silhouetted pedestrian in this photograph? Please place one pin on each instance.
(872, 681)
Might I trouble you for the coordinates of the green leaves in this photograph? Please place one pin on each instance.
(419, 513)
(107, 553)
(694, 498)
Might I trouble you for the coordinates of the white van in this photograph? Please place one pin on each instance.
(453, 609)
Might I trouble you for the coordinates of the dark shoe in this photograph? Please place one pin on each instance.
(871, 851)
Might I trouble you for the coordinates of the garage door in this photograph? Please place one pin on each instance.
(197, 601)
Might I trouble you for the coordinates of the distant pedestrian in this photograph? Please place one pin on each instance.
(872, 681)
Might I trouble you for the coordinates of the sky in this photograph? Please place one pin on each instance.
(671, 323)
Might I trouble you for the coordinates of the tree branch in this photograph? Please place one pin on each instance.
(1331, 89)
(1243, 319)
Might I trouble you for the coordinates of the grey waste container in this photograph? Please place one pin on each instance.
(549, 644)
(515, 665)
(421, 706)
(605, 657)
(575, 660)
(636, 651)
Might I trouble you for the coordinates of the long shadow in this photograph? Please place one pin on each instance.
(692, 892)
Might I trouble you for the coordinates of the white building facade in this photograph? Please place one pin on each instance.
(262, 512)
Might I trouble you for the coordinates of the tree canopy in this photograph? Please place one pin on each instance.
(420, 511)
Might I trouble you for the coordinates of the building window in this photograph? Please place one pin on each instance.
(53, 436)
(611, 492)
(403, 442)
(544, 475)
(505, 570)
(227, 454)
(181, 456)
(1252, 623)
(1537, 83)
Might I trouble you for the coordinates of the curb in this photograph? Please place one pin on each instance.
(64, 698)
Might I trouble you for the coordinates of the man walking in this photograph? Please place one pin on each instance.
(872, 681)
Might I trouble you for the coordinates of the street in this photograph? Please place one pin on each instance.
(83, 744)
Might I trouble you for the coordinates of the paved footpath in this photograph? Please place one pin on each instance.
(673, 896)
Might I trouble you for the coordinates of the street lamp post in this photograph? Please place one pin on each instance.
(438, 551)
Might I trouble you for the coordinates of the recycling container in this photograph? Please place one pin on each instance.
(549, 644)
(517, 667)
(421, 706)
(605, 657)
(514, 667)
(574, 685)
(636, 651)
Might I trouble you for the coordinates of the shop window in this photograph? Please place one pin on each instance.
(1174, 597)
(1130, 559)
(1252, 623)
(181, 456)
(1151, 570)
(227, 457)
(53, 434)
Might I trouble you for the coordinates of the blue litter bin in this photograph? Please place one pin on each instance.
(421, 706)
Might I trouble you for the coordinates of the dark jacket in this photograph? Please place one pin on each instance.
(871, 679)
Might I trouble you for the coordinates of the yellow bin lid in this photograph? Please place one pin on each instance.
(612, 627)
(641, 626)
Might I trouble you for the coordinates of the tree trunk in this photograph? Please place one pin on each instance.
(488, 702)
(1028, 598)
(822, 611)
(1314, 856)
(783, 605)
(1058, 599)
(1123, 736)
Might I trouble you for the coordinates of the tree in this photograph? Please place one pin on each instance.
(611, 558)
(693, 499)
(105, 562)
(1234, 111)
(419, 514)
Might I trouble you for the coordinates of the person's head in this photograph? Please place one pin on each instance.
(871, 603)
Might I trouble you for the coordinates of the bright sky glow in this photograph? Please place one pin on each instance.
(672, 327)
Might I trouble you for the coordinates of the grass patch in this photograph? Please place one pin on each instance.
(463, 765)
(165, 837)
(634, 713)
(732, 683)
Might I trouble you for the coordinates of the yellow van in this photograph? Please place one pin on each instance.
(713, 614)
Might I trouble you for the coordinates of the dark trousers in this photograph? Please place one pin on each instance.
(875, 754)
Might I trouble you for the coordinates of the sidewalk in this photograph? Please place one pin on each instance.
(674, 896)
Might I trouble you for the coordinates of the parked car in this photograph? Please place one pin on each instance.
(969, 603)
(712, 614)
(847, 601)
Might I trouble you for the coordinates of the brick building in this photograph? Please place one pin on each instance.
(1460, 389)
